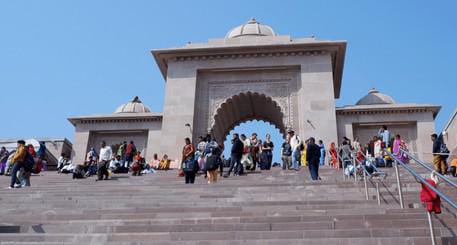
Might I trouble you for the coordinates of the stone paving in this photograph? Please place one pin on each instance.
(270, 207)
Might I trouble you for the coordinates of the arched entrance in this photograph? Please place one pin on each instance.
(245, 107)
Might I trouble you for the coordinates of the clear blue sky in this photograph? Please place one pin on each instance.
(66, 58)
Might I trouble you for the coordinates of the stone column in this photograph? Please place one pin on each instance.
(425, 127)
(154, 139)
(80, 145)
(316, 100)
(178, 107)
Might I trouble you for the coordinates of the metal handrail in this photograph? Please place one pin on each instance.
(423, 164)
(423, 181)
(366, 173)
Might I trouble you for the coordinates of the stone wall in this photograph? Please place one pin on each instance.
(192, 98)
(415, 128)
(145, 134)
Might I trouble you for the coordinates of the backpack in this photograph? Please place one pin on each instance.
(29, 162)
(212, 162)
(78, 172)
(444, 150)
(189, 165)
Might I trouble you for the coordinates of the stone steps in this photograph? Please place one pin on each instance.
(272, 207)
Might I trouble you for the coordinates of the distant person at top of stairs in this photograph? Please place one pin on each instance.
(18, 160)
(105, 157)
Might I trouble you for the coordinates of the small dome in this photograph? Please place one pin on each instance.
(134, 106)
(251, 28)
(374, 97)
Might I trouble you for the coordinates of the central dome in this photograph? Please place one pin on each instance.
(251, 28)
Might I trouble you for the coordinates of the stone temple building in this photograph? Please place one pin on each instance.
(253, 73)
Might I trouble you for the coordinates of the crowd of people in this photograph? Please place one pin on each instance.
(22, 162)
(206, 157)
(121, 158)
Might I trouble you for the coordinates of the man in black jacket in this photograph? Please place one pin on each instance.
(235, 156)
(313, 153)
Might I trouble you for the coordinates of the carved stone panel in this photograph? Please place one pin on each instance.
(212, 93)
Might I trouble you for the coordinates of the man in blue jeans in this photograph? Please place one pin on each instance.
(18, 161)
(295, 144)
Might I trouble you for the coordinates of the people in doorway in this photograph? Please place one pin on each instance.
(255, 150)
(235, 156)
(130, 153)
(295, 143)
(267, 148)
(384, 136)
(286, 154)
(246, 158)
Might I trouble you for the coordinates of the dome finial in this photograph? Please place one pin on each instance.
(373, 90)
(136, 99)
(252, 20)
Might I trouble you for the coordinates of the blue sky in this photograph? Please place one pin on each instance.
(65, 58)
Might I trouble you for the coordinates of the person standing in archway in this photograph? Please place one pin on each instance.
(235, 155)
(255, 151)
(295, 143)
(246, 158)
(267, 147)
(313, 154)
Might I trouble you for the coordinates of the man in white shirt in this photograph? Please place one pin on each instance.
(295, 144)
(105, 157)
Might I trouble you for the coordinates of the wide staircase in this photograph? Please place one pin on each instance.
(269, 207)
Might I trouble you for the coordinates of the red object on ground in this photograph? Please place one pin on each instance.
(431, 200)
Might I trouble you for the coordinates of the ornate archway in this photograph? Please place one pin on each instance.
(245, 107)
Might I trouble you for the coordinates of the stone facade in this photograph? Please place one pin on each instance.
(253, 73)
(414, 123)
(142, 128)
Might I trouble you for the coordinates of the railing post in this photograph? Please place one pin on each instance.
(400, 192)
(378, 196)
(366, 185)
(430, 225)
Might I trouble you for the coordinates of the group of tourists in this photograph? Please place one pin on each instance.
(373, 154)
(247, 154)
(120, 158)
(296, 152)
(22, 162)
(206, 158)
